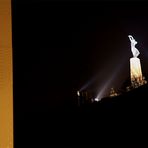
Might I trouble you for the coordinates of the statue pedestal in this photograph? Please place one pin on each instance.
(136, 72)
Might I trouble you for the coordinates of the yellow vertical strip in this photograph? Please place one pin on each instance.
(6, 84)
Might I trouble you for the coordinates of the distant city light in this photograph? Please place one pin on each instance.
(78, 93)
(97, 99)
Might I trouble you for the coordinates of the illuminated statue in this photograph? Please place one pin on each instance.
(133, 48)
(137, 78)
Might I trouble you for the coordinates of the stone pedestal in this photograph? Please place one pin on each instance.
(136, 72)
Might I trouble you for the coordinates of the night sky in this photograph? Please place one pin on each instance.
(60, 46)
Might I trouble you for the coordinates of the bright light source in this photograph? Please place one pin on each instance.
(96, 99)
(78, 93)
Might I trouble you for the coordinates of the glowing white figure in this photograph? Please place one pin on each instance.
(134, 50)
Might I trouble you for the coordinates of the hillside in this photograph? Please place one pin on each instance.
(119, 120)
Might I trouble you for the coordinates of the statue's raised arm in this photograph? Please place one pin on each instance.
(134, 50)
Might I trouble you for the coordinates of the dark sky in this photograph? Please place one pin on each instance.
(59, 46)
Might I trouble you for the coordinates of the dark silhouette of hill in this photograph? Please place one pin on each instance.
(118, 120)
